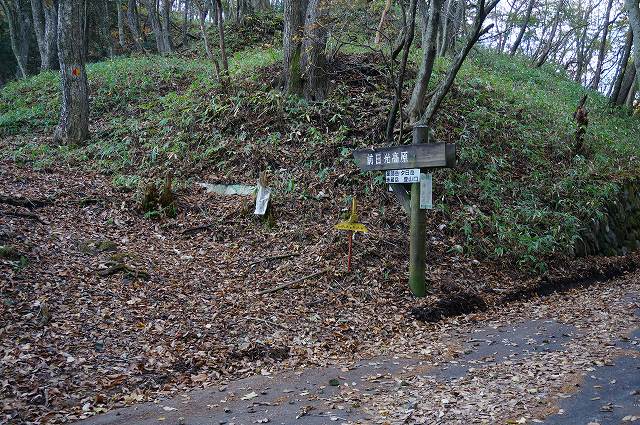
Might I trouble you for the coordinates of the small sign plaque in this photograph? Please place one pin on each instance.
(411, 175)
(426, 191)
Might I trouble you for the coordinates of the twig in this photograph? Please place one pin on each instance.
(196, 229)
(293, 282)
(275, 257)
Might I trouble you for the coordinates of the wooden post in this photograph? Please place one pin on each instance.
(417, 249)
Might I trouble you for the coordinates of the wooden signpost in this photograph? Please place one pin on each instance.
(424, 155)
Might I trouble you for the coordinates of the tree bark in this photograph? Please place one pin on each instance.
(73, 127)
(624, 61)
(634, 21)
(595, 84)
(430, 24)
(314, 58)
(18, 16)
(293, 34)
(523, 28)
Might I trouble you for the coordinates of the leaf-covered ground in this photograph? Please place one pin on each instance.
(183, 310)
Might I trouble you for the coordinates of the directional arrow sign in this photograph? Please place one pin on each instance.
(429, 155)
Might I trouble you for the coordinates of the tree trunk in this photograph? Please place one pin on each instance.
(631, 96)
(165, 23)
(185, 22)
(523, 28)
(104, 28)
(134, 23)
(223, 48)
(622, 68)
(314, 58)
(73, 127)
(18, 16)
(549, 44)
(444, 87)
(294, 15)
(45, 25)
(627, 84)
(261, 5)
(430, 23)
(156, 26)
(383, 18)
(603, 46)
(121, 37)
(634, 21)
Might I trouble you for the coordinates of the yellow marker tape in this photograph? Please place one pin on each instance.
(354, 227)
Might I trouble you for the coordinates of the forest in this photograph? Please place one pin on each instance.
(139, 261)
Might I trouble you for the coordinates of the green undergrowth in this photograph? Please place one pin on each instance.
(518, 194)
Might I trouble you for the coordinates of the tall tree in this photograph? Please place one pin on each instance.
(18, 13)
(45, 24)
(73, 127)
(158, 31)
(603, 46)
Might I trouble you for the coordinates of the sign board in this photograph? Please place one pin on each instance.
(262, 200)
(353, 227)
(431, 155)
(411, 175)
(426, 191)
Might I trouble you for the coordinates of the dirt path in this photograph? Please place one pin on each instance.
(533, 363)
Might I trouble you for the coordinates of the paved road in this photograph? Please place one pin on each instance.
(395, 390)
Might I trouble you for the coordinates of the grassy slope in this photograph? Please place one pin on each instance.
(517, 193)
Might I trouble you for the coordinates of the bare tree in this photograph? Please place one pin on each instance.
(73, 127)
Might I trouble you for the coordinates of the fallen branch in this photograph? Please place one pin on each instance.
(25, 215)
(293, 282)
(275, 257)
(22, 202)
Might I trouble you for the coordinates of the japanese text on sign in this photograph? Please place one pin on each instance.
(411, 175)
